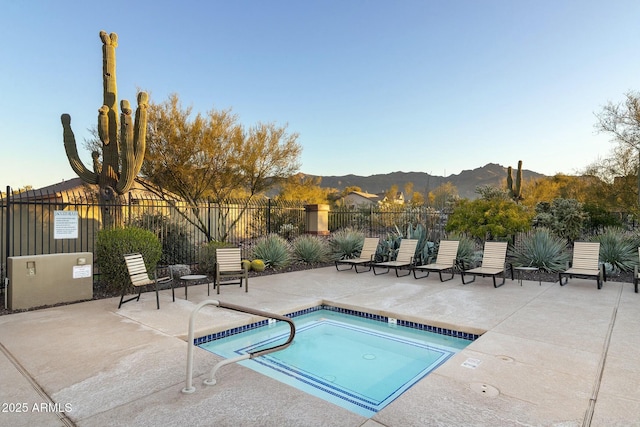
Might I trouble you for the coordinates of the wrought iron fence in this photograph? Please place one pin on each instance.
(378, 221)
(28, 222)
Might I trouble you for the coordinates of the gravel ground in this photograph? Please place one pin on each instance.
(100, 292)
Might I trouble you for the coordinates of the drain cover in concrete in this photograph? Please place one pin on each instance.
(485, 389)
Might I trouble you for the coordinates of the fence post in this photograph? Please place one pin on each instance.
(268, 216)
(8, 231)
(317, 219)
(129, 208)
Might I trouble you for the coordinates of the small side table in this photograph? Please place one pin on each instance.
(195, 278)
(520, 270)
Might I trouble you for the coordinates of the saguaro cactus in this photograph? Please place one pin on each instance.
(123, 141)
(515, 191)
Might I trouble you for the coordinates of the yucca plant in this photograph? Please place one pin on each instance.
(273, 250)
(346, 243)
(618, 249)
(542, 249)
(310, 249)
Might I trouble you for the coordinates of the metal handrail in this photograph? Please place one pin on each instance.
(189, 388)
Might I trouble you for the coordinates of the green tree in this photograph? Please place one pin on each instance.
(213, 156)
(305, 189)
(558, 186)
(493, 219)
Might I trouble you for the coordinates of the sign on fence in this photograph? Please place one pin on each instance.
(65, 224)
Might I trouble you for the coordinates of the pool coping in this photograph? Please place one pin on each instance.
(357, 313)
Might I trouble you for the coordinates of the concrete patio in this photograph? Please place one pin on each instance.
(549, 355)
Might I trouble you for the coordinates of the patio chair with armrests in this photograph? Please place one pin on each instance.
(229, 266)
(139, 278)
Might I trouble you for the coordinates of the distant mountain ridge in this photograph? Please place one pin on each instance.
(466, 181)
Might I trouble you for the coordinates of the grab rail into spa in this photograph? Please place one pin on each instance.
(189, 388)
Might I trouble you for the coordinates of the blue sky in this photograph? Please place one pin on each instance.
(371, 86)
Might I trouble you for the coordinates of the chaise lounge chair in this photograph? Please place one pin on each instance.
(584, 264)
(493, 264)
(367, 254)
(404, 260)
(446, 260)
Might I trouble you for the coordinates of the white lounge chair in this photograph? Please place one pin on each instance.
(404, 260)
(584, 263)
(493, 264)
(446, 260)
(366, 257)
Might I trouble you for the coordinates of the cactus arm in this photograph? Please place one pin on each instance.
(518, 188)
(140, 130)
(97, 166)
(509, 180)
(133, 139)
(72, 152)
(110, 149)
(109, 84)
(103, 124)
(127, 155)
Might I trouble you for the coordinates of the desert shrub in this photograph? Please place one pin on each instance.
(618, 249)
(346, 243)
(176, 240)
(541, 249)
(564, 217)
(113, 244)
(273, 250)
(207, 256)
(310, 249)
(493, 219)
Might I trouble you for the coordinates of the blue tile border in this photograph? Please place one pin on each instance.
(384, 319)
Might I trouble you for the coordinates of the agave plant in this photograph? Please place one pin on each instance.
(541, 249)
(310, 249)
(346, 243)
(424, 248)
(273, 250)
(388, 247)
(467, 254)
(618, 249)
